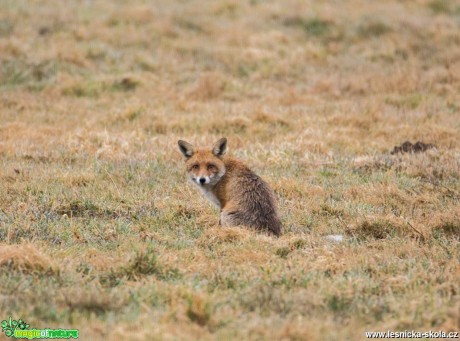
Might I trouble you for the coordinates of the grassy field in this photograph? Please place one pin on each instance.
(100, 231)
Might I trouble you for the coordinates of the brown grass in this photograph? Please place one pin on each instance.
(27, 259)
(98, 221)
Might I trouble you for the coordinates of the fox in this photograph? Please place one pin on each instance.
(241, 195)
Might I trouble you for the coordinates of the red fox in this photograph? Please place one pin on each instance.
(242, 196)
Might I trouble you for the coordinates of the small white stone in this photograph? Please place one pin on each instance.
(336, 238)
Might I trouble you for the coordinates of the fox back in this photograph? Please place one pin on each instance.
(242, 196)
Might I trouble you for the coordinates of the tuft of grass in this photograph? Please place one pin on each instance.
(221, 235)
(189, 25)
(141, 264)
(379, 229)
(283, 252)
(94, 89)
(35, 76)
(125, 84)
(440, 6)
(411, 101)
(373, 29)
(26, 259)
(338, 303)
(208, 87)
(314, 27)
(91, 89)
(79, 208)
(447, 224)
(198, 310)
(450, 229)
(6, 27)
(94, 302)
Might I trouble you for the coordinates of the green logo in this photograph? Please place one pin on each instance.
(20, 330)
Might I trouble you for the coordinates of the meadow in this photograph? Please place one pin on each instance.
(101, 232)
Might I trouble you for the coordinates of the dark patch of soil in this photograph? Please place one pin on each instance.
(409, 147)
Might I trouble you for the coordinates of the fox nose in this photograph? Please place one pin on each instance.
(202, 180)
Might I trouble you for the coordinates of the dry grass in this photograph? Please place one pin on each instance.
(97, 220)
(25, 258)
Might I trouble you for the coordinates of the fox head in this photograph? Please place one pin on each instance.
(205, 167)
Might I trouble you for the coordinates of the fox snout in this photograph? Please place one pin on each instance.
(201, 180)
(203, 175)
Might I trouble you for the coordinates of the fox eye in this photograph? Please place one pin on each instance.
(211, 167)
(195, 167)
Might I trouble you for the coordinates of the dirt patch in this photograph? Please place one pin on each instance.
(85, 209)
(409, 147)
(380, 228)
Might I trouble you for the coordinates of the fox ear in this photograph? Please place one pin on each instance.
(186, 148)
(220, 147)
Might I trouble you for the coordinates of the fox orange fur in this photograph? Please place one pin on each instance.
(242, 196)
